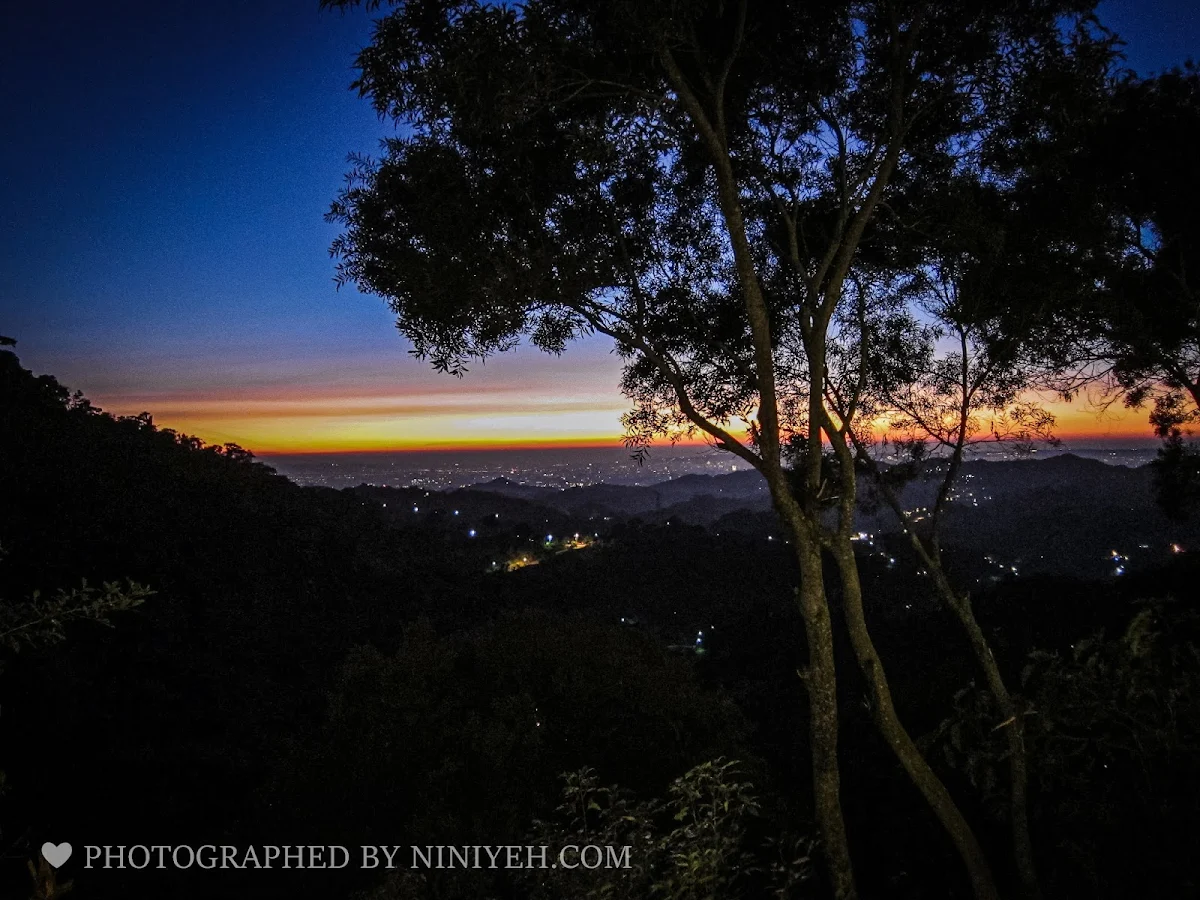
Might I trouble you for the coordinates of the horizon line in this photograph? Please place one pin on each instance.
(1136, 441)
(568, 444)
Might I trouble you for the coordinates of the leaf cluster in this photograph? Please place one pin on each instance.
(696, 843)
(1111, 728)
(41, 621)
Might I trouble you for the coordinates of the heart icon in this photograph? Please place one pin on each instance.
(56, 854)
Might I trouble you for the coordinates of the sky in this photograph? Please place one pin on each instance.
(165, 172)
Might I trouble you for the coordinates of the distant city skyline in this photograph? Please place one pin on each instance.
(162, 246)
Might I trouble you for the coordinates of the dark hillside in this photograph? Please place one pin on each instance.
(279, 669)
(261, 587)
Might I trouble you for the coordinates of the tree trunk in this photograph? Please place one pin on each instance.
(820, 681)
(893, 731)
(1013, 723)
(1018, 806)
(1011, 710)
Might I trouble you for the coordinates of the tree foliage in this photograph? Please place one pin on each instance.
(703, 840)
(556, 181)
(1141, 329)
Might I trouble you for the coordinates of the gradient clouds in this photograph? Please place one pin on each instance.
(322, 398)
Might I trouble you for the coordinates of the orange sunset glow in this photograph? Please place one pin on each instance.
(358, 389)
(480, 411)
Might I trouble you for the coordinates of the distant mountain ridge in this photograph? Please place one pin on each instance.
(742, 489)
(748, 489)
(1063, 514)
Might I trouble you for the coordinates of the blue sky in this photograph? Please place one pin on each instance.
(166, 170)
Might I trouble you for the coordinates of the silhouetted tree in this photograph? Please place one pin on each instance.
(695, 180)
(1136, 160)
